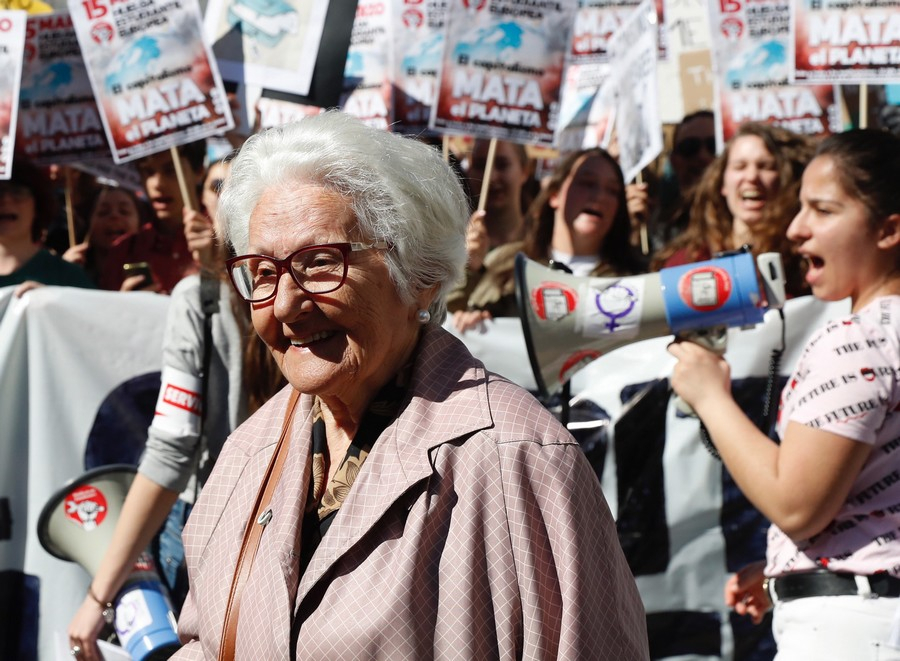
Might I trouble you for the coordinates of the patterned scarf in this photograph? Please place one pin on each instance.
(324, 501)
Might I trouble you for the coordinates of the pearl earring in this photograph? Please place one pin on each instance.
(423, 316)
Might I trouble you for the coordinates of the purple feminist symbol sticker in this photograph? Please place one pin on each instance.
(615, 302)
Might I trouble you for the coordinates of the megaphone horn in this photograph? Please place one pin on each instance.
(77, 524)
(569, 321)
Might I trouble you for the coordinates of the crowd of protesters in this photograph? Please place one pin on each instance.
(583, 216)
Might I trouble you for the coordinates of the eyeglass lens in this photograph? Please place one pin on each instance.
(317, 270)
(691, 146)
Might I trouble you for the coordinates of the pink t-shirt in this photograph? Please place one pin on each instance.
(848, 382)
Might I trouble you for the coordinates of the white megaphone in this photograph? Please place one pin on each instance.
(77, 525)
(569, 321)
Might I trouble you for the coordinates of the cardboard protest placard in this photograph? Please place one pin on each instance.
(846, 41)
(638, 126)
(275, 112)
(59, 120)
(597, 20)
(502, 68)
(585, 114)
(12, 43)
(751, 58)
(367, 73)
(156, 83)
(271, 44)
(586, 107)
(418, 46)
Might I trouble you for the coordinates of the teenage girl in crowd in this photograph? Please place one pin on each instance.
(748, 195)
(830, 487)
(580, 220)
(178, 457)
(114, 213)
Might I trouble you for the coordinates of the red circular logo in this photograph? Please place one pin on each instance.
(102, 33)
(551, 301)
(705, 289)
(86, 506)
(575, 362)
(412, 18)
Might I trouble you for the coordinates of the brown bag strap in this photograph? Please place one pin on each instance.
(252, 534)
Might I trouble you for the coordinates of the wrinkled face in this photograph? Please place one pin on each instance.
(508, 175)
(211, 187)
(114, 215)
(588, 199)
(345, 344)
(750, 180)
(16, 212)
(833, 233)
(161, 183)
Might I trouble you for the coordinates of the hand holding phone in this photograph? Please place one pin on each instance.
(142, 269)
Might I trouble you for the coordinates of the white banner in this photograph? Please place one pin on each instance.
(77, 369)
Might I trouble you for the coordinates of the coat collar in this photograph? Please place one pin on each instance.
(449, 400)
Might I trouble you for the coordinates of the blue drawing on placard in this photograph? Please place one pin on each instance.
(265, 21)
(766, 62)
(49, 83)
(134, 63)
(500, 42)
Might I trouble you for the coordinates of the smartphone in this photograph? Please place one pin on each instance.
(138, 268)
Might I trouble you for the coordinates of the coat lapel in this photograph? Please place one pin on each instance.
(448, 401)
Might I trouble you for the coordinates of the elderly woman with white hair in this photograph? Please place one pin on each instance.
(396, 500)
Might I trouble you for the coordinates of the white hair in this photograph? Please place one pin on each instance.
(399, 189)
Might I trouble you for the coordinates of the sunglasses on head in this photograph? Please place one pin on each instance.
(690, 147)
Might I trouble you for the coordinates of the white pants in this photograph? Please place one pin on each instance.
(846, 628)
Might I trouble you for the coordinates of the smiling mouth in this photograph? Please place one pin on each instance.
(315, 337)
(752, 195)
(592, 212)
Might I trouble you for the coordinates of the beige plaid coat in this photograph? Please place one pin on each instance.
(476, 530)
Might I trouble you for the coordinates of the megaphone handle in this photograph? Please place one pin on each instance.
(716, 340)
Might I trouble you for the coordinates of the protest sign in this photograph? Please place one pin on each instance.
(58, 117)
(638, 126)
(275, 112)
(846, 41)
(418, 46)
(367, 83)
(597, 20)
(502, 68)
(269, 44)
(155, 81)
(751, 44)
(12, 43)
(79, 372)
(586, 107)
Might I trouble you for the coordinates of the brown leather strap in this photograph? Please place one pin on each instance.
(253, 533)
